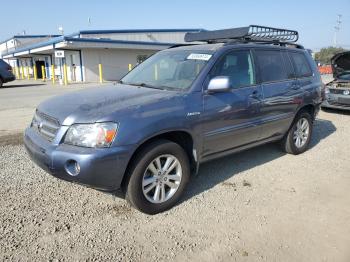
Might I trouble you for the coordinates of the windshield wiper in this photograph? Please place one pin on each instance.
(144, 85)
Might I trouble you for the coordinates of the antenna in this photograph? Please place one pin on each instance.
(89, 21)
(337, 29)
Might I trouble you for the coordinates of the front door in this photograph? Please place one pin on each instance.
(39, 65)
(231, 119)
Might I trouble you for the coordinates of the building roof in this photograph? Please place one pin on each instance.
(75, 38)
(27, 36)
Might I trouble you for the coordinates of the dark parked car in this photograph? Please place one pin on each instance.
(6, 74)
(337, 92)
(181, 107)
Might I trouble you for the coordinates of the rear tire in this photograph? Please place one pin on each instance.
(1, 82)
(158, 176)
(298, 138)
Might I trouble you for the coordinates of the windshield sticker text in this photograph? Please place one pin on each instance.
(204, 57)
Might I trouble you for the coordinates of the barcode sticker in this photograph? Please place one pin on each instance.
(204, 57)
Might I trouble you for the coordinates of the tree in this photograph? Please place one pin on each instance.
(325, 54)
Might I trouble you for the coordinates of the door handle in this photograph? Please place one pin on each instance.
(255, 94)
(296, 87)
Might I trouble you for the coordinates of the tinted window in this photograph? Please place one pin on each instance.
(301, 65)
(271, 65)
(238, 66)
(288, 66)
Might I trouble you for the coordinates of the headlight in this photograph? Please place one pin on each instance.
(326, 90)
(91, 135)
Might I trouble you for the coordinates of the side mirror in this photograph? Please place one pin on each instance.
(219, 84)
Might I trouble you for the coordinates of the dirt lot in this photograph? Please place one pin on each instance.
(258, 205)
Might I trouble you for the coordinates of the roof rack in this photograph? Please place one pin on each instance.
(252, 33)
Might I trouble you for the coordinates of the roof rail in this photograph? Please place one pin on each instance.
(252, 33)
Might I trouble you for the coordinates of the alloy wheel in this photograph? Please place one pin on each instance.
(161, 179)
(301, 133)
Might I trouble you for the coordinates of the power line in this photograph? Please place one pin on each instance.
(337, 29)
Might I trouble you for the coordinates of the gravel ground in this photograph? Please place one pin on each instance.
(258, 205)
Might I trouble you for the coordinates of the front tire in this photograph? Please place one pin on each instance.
(298, 138)
(1, 82)
(158, 177)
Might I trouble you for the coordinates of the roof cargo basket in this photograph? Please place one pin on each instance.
(252, 33)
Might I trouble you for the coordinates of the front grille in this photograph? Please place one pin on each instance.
(334, 103)
(46, 125)
(336, 91)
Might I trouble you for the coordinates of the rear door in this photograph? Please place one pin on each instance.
(230, 119)
(280, 89)
(304, 75)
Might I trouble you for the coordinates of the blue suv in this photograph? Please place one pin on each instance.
(145, 135)
(6, 74)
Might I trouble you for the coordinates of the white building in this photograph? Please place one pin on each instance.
(115, 50)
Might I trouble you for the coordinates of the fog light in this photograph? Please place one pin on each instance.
(72, 167)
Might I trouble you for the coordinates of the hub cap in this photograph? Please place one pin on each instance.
(161, 179)
(301, 133)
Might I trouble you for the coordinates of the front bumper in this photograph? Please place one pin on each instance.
(100, 168)
(337, 101)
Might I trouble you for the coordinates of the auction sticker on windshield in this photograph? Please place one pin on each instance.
(204, 57)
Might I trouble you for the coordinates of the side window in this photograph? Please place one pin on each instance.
(301, 65)
(288, 66)
(238, 66)
(271, 65)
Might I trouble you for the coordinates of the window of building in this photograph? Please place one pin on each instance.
(141, 58)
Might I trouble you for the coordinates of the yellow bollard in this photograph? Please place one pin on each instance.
(22, 72)
(156, 72)
(65, 75)
(43, 74)
(130, 67)
(100, 73)
(17, 72)
(27, 71)
(53, 74)
(35, 73)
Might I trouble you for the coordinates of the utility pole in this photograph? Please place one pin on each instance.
(337, 29)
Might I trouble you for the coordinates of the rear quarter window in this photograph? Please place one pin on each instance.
(271, 65)
(301, 65)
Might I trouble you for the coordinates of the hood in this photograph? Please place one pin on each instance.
(341, 65)
(101, 103)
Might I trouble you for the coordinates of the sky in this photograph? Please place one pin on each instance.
(315, 20)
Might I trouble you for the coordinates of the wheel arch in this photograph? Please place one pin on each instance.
(180, 137)
(310, 108)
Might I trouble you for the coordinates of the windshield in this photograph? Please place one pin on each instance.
(173, 69)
